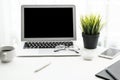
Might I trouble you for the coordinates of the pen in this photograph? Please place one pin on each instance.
(42, 67)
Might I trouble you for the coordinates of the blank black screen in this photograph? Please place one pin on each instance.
(48, 22)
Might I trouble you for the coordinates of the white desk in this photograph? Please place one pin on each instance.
(61, 68)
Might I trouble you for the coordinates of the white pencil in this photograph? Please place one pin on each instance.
(42, 67)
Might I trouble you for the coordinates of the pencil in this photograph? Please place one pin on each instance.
(42, 67)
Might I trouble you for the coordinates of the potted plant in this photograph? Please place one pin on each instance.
(91, 26)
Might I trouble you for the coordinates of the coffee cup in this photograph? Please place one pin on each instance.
(7, 53)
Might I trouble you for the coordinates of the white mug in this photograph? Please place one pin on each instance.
(7, 54)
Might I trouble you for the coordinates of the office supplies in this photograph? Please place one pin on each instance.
(41, 31)
(110, 73)
(104, 75)
(114, 70)
(42, 67)
(110, 53)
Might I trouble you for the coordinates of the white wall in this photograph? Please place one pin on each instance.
(114, 24)
(5, 22)
(1, 23)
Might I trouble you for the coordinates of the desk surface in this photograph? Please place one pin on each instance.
(61, 68)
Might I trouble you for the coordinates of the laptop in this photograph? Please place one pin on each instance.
(47, 24)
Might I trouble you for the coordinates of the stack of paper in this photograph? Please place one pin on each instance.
(110, 73)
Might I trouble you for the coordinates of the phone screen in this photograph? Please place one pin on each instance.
(110, 52)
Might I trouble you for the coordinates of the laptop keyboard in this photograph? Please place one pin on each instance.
(28, 45)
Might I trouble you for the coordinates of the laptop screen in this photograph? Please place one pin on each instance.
(56, 22)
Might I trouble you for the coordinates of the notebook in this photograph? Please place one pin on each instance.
(104, 75)
(114, 70)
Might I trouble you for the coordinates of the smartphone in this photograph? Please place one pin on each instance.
(110, 53)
